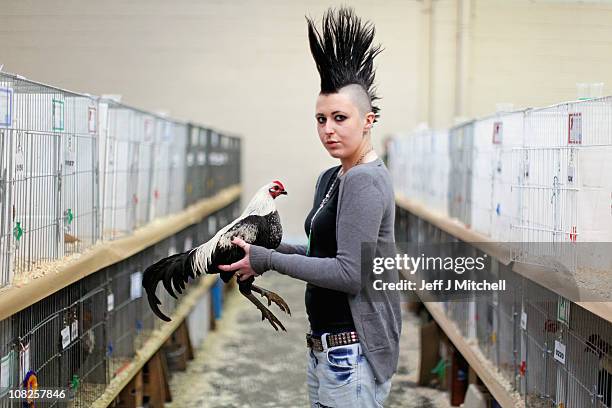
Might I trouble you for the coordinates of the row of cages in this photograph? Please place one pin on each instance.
(76, 169)
(536, 175)
(79, 338)
(554, 353)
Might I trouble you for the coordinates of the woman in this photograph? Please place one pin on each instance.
(354, 335)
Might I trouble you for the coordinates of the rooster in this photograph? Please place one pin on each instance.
(259, 224)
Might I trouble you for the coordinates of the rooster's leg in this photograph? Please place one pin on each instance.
(245, 289)
(272, 297)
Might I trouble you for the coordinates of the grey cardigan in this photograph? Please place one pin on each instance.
(366, 214)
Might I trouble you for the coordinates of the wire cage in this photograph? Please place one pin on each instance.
(553, 352)
(145, 133)
(461, 142)
(493, 206)
(84, 335)
(177, 175)
(119, 169)
(487, 317)
(79, 181)
(419, 167)
(561, 183)
(47, 151)
(161, 169)
(74, 169)
(196, 162)
(508, 317)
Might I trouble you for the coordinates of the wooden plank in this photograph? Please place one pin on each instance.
(155, 341)
(131, 396)
(501, 252)
(16, 298)
(155, 382)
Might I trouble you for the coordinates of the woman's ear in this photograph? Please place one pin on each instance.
(369, 120)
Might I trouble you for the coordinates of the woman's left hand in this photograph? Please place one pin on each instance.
(242, 267)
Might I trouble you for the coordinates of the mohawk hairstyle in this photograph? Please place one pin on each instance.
(343, 52)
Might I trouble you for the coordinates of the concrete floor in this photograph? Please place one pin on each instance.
(245, 363)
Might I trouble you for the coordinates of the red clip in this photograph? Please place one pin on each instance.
(573, 236)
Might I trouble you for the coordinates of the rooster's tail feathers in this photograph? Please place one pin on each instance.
(173, 271)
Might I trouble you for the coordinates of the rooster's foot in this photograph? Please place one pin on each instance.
(272, 297)
(265, 312)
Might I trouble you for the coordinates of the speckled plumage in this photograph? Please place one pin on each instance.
(259, 224)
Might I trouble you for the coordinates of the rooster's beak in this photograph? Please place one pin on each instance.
(283, 192)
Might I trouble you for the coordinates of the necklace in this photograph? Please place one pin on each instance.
(328, 195)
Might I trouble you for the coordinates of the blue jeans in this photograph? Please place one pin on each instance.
(342, 377)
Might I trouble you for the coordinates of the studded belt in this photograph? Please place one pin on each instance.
(322, 343)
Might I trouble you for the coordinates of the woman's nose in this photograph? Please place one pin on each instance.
(329, 128)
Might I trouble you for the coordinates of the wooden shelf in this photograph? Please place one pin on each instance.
(106, 253)
(501, 252)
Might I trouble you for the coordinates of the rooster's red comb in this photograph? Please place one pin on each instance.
(279, 184)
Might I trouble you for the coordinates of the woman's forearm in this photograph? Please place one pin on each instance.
(359, 222)
(285, 248)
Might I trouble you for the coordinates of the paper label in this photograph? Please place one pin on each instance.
(571, 173)
(110, 302)
(74, 334)
(563, 310)
(70, 158)
(19, 160)
(136, 285)
(560, 352)
(574, 132)
(498, 132)
(523, 320)
(65, 337)
(92, 119)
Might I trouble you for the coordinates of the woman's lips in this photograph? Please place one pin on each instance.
(331, 143)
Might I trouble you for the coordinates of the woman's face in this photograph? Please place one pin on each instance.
(340, 125)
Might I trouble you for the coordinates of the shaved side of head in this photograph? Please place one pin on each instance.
(358, 95)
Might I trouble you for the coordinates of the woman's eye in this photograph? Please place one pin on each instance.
(339, 118)
(321, 119)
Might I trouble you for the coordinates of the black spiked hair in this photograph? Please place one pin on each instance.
(343, 52)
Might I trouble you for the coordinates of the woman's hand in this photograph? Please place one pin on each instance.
(242, 267)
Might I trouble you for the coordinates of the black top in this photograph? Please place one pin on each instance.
(328, 310)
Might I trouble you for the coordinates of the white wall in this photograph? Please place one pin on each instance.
(526, 52)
